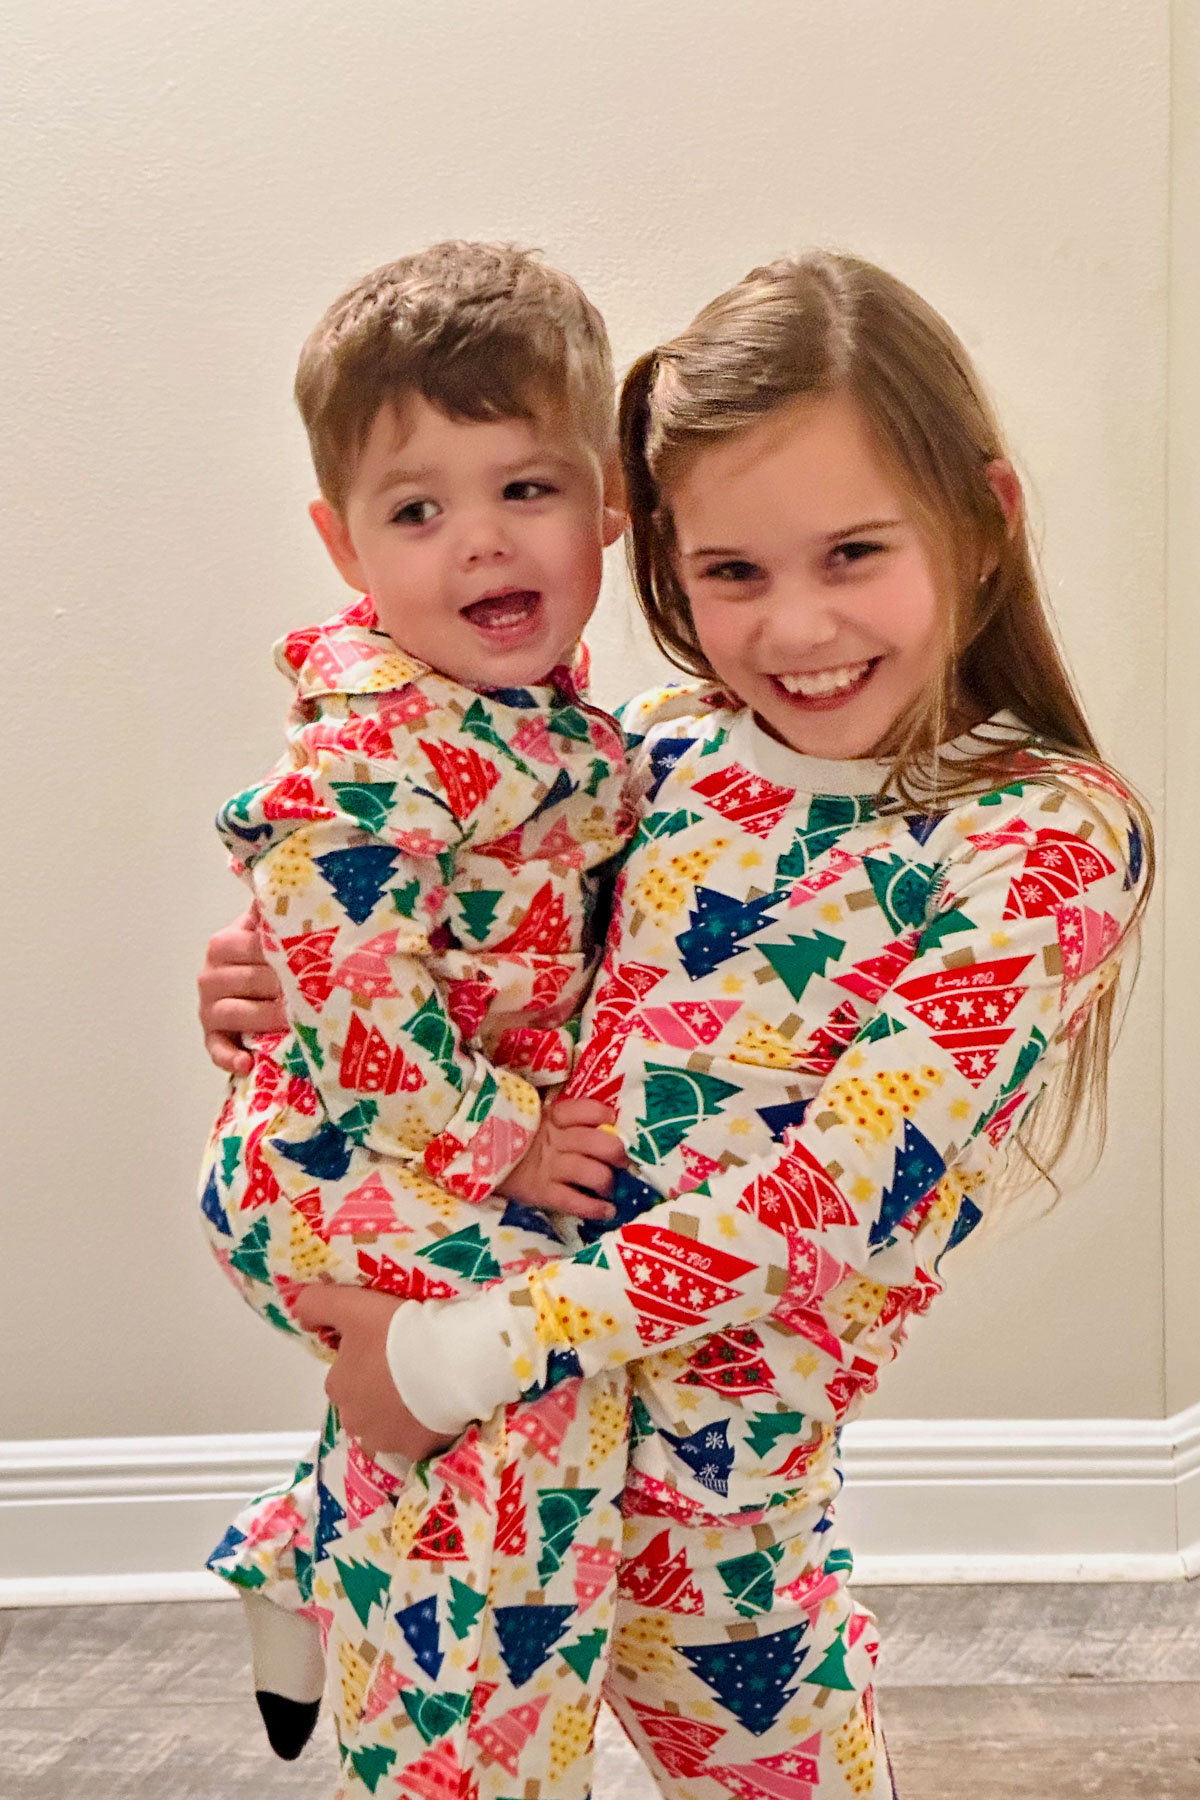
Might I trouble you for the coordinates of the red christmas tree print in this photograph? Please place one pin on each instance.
(503, 1739)
(966, 1010)
(730, 1362)
(367, 1208)
(593, 1570)
(545, 926)
(696, 1170)
(681, 1745)
(621, 989)
(744, 798)
(410, 1284)
(368, 1486)
(871, 978)
(820, 1054)
(797, 1195)
(673, 1280)
(1086, 938)
(367, 969)
(467, 1001)
(788, 1775)
(439, 1776)
(1058, 867)
(462, 1468)
(440, 1538)
(559, 845)
(370, 1065)
(659, 1579)
(509, 850)
(467, 778)
(386, 1682)
(689, 1024)
(294, 797)
(261, 1186)
(529, 1051)
(510, 1513)
(544, 1422)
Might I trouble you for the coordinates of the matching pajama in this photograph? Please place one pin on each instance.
(820, 1019)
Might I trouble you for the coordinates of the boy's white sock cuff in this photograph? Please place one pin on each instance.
(448, 1360)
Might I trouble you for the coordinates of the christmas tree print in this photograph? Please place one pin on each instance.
(797, 961)
(325, 1155)
(478, 909)
(510, 1513)
(673, 1280)
(681, 1745)
(358, 877)
(210, 1206)
(662, 1578)
(916, 1169)
(830, 817)
(903, 889)
(478, 725)
(778, 1118)
(966, 1010)
(730, 1362)
(440, 1538)
(788, 1775)
(310, 958)
(797, 1195)
(364, 1586)
(467, 1252)
(676, 1100)
(1057, 868)
(466, 777)
(544, 927)
(561, 1511)
(719, 924)
(368, 802)
(745, 799)
(569, 722)
(432, 1031)
(594, 1567)
(464, 1608)
(250, 1256)
(830, 1672)
(370, 1065)
(391, 1277)
(707, 1453)
(749, 1580)
(527, 1635)
(871, 978)
(582, 1654)
(631, 1197)
(435, 1714)
(751, 1677)
(570, 1737)
(420, 1627)
(942, 926)
(439, 1776)
(505, 1737)
(666, 824)
(855, 1753)
(663, 757)
(372, 1763)
(330, 1515)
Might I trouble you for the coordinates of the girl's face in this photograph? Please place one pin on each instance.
(812, 589)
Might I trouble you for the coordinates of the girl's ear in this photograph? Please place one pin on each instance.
(335, 535)
(1003, 480)
(614, 517)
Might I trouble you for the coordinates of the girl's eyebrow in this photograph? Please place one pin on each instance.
(828, 537)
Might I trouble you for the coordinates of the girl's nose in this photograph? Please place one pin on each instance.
(799, 621)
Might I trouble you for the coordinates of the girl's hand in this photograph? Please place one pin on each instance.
(574, 1147)
(238, 993)
(360, 1382)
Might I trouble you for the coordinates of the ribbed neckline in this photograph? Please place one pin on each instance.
(757, 750)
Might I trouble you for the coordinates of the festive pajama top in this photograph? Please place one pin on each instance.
(426, 859)
(820, 1019)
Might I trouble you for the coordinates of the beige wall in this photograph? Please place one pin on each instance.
(187, 185)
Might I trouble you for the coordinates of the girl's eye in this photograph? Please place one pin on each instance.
(844, 556)
(733, 570)
(528, 490)
(415, 512)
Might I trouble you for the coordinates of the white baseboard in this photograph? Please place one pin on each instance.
(117, 1519)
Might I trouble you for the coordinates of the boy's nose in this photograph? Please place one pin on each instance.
(485, 538)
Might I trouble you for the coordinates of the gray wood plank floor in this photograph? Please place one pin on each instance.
(1010, 1693)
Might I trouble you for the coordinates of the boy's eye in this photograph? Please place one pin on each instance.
(528, 490)
(415, 512)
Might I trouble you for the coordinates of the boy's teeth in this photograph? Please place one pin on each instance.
(824, 681)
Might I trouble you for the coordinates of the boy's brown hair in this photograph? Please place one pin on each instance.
(482, 331)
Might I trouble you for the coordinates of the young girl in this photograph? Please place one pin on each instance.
(862, 964)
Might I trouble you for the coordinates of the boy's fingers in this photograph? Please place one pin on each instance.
(581, 1206)
(237, 1017)
(228, 1053)
(587, 1140)
(581, 1112)
(583, 1172)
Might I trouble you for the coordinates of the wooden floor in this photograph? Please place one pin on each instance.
(1012, 1693)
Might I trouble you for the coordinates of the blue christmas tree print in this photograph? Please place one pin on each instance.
(210, 1206)
(325, 1155)
(707, 1453)
(527, 1635)
(718, 926)
(420, 1627)
(778, 1118)
(526, 1218)
(330, 1514)
(663, 757)
(751, 1678)
(917, 1168)
(630, 1195)
(358, 877)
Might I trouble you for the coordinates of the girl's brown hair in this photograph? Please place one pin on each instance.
(823, 323)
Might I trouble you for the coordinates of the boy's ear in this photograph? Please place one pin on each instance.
(335, 536)
(614, 519)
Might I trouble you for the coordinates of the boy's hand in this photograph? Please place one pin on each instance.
(360, 1382)
(238, 993)
(574, 1147)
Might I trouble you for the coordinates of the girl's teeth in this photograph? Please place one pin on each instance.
(824, 681)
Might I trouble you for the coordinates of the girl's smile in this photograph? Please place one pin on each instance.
(812, 589)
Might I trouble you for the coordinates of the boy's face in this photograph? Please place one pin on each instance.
(480, 542)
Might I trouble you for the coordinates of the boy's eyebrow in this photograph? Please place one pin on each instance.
(828, 537)
(425, 476)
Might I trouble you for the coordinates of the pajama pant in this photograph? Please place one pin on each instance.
(476, 1609)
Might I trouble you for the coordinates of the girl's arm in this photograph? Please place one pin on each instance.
(956, 1052)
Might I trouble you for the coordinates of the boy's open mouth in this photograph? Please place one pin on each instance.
(509, 613)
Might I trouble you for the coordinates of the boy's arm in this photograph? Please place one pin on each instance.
(899, 1109)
